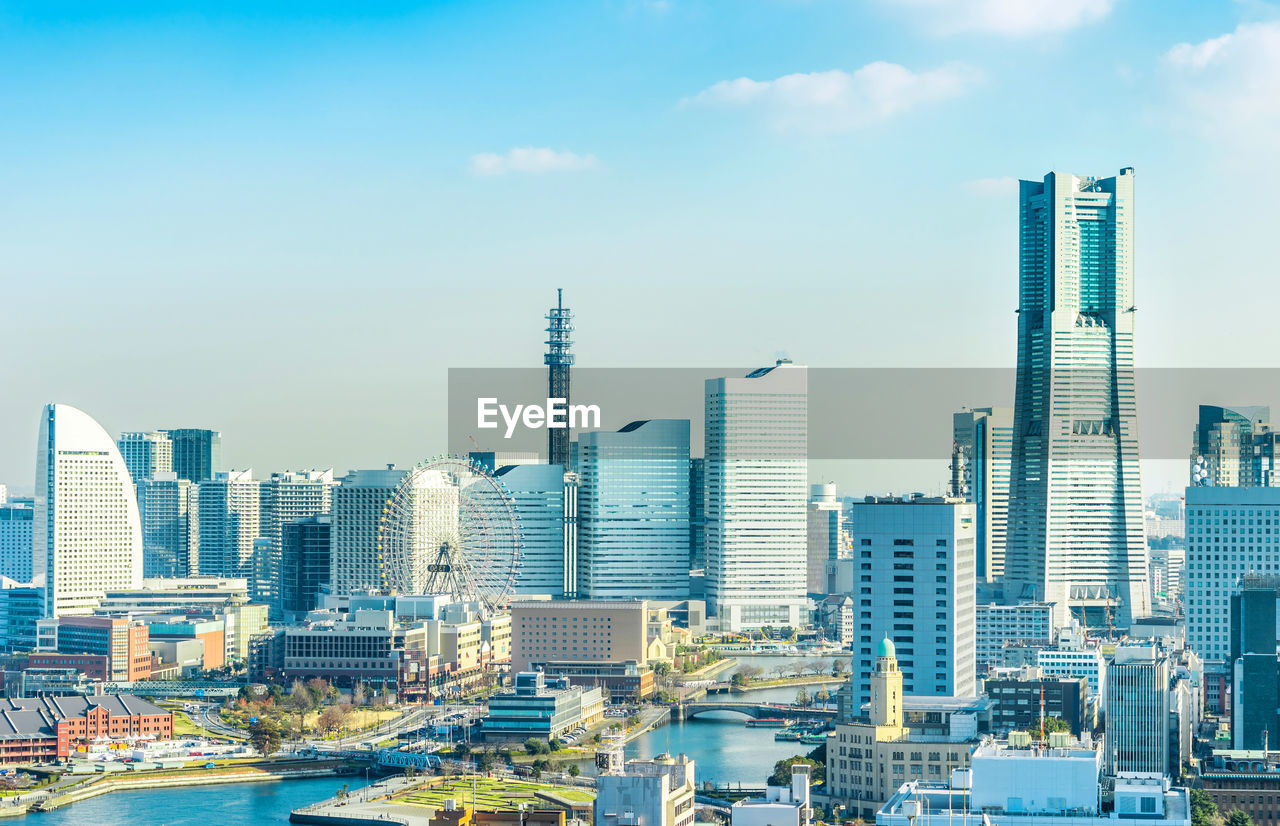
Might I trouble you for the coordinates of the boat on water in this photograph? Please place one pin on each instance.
(767, 722)
(813, 739)
(787, 734)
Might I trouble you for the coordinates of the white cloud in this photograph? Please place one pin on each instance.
(1229, 86)
(536, 160)
(1010, 18)
(836, 100)
(995, 187)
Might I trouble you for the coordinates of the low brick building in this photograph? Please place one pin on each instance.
(37, 729)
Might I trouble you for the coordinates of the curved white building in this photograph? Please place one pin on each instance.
(86, 537)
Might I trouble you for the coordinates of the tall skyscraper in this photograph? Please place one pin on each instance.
(914, 585)
(539, 493)
(1138, 711)
(559, 360)
(1234, 447)
(633, 511)
(163, 508)
(756, 468)
(697, 513)
(86, 534)
(354, 561)
(1075, 509)
(146, 454)
(197, 454)
(826, 522)
(226, 512)
(286, 497)
(983, 449)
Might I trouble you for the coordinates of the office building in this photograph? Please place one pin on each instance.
(697, 513)
(657, 792)
(196, 453)
(146, 454)
(21, 607)
(541, 496)
(16, 541)
(226, 511)
(168, 543)
(981, 455)
(542, 707)
(633, 511)
(1244, 780)
(1024, 695)
(1067, 661)
(826, 526)
(591, 642)
(1233, 447)
(1075, 504)
(915, 585)
(1138, 712)
(755, 469)
(871, 756)
(86, 535)
(122, 643)
(1255, 674)
(173, 594)
(1012, 784)
(304, 563)
(1231, 532)
(996, 625)
(354, 562)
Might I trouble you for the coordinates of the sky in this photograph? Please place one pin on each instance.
(288, 221)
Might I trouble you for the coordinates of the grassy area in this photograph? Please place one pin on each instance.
(183, 726)
(493, 793)
(360, 719)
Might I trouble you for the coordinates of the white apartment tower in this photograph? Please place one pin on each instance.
(756, 466)
(146, 454)
(86, 534)
(226, 512)
(358, 504)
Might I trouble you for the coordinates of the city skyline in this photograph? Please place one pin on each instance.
(783, 205)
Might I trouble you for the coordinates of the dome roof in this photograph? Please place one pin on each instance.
(887, 649)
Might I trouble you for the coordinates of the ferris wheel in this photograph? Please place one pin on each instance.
(451, 528)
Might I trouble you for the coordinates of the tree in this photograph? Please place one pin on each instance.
(788, 633)
(837, 667)
(330, 720)
(1052, 724)
(739, 680)
(485, 761)
(1236, 817)
(264, 734)
(782, 769)
(538, 767)
(662, 668)
(574, 771)
(802, 697)
(554, 744)
(535, 746)
(1203, 809)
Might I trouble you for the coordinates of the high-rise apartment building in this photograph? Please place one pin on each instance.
(358, 502)
(197, 454)
(226, 512)
(15, 541)
(1255, 667)
(304, 563)
(164, 508)
(983, 449)
(1234, 447)
(1138, 711)
(914, 584)
(633, 511)
(287, 497)
(826, 523)
(756, 467)
(1075, 507)
(86, 535)
(1231, 532)
(146, 454)
(540, 494)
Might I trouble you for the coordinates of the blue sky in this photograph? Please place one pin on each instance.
(286, 221)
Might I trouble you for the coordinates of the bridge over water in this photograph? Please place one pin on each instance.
(756, 711)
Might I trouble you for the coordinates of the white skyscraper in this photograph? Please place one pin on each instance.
(226, 514)
(1076, 530)
(756, 467)
(86, 534)
(146, 454)
(358, 504)
(826, 522)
